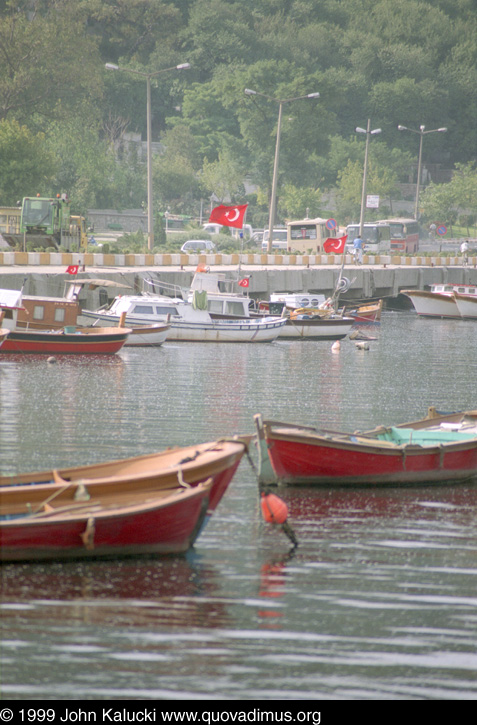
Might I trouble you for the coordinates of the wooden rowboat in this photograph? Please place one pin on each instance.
(436, 449)
(67, 341)
(131, 523)
(152, 504)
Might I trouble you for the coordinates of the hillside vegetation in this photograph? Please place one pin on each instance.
(68, 124)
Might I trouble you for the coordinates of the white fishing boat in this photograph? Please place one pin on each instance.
(305, 319)
(440, 300)
(188, 323)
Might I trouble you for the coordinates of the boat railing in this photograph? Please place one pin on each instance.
(154, 286)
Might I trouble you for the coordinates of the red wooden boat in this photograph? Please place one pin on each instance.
(153, 504)
(366, 314)
(136, 522)
(436, 449)
(69, 341)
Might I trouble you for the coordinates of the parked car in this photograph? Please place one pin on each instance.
(195, 246)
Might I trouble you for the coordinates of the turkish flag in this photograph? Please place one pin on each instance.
(335, 244)
(229, 216)
(244, 282)
(72, 269)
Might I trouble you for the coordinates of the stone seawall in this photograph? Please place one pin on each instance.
(378, 277)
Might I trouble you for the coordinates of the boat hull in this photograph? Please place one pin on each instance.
(433, 304)
(147, 336)
(190, 466)
(219, 330)
(162, 527)
(91, 342)
(317, 329)
(467, 305)
(152, 504)
(302, 456)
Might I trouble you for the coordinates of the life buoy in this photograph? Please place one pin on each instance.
(343, 285)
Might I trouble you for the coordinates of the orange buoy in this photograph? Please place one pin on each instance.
(274, 510)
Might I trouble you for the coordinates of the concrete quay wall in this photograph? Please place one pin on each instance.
(45, 274)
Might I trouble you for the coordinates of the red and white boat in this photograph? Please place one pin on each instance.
(436, 449)
(68, 341)
(440, 300)
(152, 504)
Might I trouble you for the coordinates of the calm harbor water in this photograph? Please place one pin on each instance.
(378, 601)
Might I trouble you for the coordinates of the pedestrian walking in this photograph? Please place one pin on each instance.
(464, 250)
(358, 245)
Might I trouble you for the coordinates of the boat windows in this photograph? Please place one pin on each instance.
(143, 310)
(60, 314)
(234, 308)
(215, 306)
(38, 312)
(166, 311)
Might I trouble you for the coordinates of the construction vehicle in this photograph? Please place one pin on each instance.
(47, 222)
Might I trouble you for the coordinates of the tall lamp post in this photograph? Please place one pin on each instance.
(368, 133)
(148, 76)
(422, 132)
(273, 200)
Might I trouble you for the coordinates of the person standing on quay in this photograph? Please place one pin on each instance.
(464, 250)
(358, 250)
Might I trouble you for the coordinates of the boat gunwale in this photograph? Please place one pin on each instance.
(47, 477)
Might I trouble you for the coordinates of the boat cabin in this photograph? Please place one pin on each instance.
(36, 313)
(449, 289)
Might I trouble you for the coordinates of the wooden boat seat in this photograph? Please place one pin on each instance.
(402, 436)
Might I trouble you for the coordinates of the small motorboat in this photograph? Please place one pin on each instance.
(435, 449)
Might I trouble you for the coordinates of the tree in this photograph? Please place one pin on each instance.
(298, 203)
(443, 202)
(27, 166)
(49, 67)
(223, 178)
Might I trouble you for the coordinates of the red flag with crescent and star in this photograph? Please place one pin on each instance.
(335, 244)
(229, 216)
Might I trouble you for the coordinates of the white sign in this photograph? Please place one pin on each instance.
(372, 201)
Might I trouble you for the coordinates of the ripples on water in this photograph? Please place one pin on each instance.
(377, 602)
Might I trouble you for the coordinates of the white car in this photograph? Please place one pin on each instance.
(195, 246)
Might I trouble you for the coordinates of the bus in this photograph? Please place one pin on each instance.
(376, 237)
(308, 235)
(404, 234)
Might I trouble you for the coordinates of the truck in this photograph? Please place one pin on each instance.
(47, 222)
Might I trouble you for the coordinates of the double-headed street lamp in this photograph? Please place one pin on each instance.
(368, 133)
(422, 132)
(273, 200)
(148, 76)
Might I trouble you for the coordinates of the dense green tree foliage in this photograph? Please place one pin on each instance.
(409, 62)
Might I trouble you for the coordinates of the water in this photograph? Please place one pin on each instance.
(377, 602)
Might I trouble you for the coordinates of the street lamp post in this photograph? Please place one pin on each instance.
(273, 199)
(148, 76)
(368, 133)
(422, 132)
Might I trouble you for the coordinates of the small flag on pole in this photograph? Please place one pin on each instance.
(244, 282)
(72, 269)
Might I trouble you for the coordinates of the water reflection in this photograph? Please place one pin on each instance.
(377, 601)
